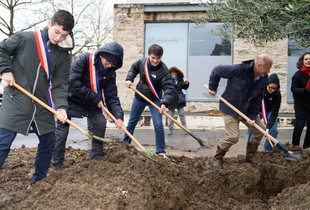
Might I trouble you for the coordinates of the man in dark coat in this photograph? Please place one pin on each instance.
(177, 77)
(154, 81)
(22, 60)
(246, 83)
(301, 92)
(269, 109)
(92, 84)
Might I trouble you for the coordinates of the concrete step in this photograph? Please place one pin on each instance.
(201, 121)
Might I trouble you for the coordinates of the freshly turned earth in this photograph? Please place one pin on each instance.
(126, 179)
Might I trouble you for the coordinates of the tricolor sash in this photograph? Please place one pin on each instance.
(45, 63)
(149, 80)
(94, 84)
(264, 112)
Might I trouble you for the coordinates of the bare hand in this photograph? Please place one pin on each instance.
(128, 83)
(119, 123)
(212, 92)
(100, 105)
(250, 122)
(62, 115)
(9, 78)
(163, 108)
(267, 130)
(186, 82)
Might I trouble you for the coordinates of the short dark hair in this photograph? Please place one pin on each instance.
(300, 62)
(64, 19)
(156, 50)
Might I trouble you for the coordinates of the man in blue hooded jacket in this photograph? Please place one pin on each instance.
(246, 83)
(92, 84)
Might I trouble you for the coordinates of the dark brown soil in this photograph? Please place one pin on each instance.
(126, 179)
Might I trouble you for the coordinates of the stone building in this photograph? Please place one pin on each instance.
(133, 24)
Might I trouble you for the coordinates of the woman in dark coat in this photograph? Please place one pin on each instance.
(301, 93)
(179, 84)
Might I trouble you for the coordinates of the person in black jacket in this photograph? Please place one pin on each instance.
(301, 93)
(246, 83)
(92, 84)
(154, 80)
(269, 109)
(179, 84)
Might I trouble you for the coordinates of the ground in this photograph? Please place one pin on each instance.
(126, 179)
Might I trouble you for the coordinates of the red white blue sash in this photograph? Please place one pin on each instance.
(94, 84)
(264, 112)
(149, 80)
(45, 63)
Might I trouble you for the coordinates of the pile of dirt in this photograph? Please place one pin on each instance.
(126, 179)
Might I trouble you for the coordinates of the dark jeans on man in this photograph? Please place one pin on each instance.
(137, 108)
(43, 156)
(62, 131)
(299, 126)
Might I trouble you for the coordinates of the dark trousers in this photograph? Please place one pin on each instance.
(62, 131)
(43, 156)
(299, 126)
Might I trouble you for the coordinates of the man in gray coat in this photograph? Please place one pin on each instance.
(39, 62)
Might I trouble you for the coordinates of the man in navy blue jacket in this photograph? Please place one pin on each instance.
(246, 83)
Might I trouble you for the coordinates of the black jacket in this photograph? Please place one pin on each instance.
(82, 100)
(161, 80)
(301, 95)
(241, 91)
(179, 86)
(272, 101)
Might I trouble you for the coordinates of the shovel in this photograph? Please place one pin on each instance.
(129, 134)
(258, 128)
(171, 118)
(55, 113)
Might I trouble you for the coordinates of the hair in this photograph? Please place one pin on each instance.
(300, 61)
(156, 50)
(64, 19)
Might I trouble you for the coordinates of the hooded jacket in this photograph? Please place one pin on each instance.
(82, 100)
(161, 80)
(19, 55)
(242, 91)
(179, 86)
(272, 101)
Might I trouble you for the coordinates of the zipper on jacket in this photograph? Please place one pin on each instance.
(35, 108)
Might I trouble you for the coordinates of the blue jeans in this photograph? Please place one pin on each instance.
(43, 156)
(135, 113)
(273, 132)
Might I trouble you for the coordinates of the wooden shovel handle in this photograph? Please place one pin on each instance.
(157, 107)
(124, 129)
(244, 116)
(46, 106)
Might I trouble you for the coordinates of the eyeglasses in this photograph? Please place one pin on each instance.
(109, 63)
(272, 88)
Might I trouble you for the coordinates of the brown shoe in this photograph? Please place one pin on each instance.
(217, 160)
(251, 154)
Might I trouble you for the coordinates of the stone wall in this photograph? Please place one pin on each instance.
(129, 20)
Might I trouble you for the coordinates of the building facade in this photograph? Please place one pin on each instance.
(194, 50)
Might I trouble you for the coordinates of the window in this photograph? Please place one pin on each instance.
(294, 52)
(193, 50)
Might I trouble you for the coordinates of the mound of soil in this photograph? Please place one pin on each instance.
(126, 179)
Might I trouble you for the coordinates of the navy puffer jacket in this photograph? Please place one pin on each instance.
(82, 100)
(241, 91)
